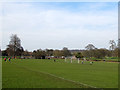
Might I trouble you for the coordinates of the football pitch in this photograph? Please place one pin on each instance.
(43, 73)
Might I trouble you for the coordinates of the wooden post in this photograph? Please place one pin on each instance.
(71, 60)
(65, 59)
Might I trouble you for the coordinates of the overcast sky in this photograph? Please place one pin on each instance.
(55, 25)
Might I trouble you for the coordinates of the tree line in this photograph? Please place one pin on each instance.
(14, 49)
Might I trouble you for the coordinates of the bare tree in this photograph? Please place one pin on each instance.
(90, 47)
(112, 45)
(14, 48)
(119, 43)
(66, 52)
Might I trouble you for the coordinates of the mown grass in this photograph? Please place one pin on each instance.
(36, 73)
(0, 73)
(110, 59)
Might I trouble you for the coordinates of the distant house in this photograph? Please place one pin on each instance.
(28, 56)
(73, 57)
(49, 57)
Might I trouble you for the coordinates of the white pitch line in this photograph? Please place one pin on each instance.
(60, 77)
(67, 79)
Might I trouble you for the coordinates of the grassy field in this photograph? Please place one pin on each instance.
(0, 73)
(110, 59)
(36, 73)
